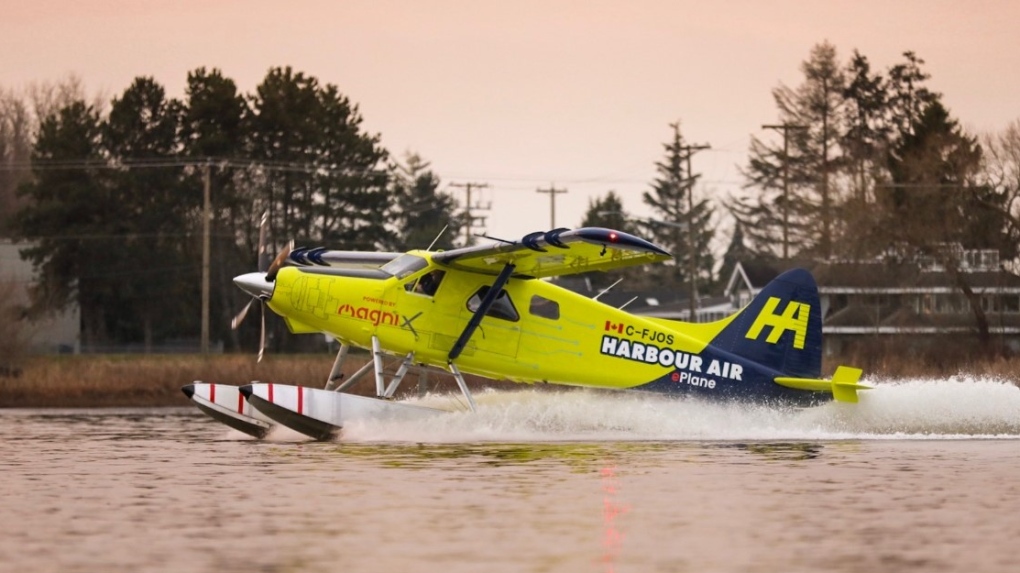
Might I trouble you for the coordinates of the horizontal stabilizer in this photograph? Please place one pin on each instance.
(844, 384)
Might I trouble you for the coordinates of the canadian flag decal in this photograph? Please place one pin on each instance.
(610, 326)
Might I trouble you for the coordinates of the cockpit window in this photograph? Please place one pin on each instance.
(405, 265)
(503, 307)
(426, 284)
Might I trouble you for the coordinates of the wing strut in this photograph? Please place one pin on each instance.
(472, 325)
(476, 319)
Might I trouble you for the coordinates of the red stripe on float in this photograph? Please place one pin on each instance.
(212, 393)
(240, 402)
(270, 392)
(300, 400)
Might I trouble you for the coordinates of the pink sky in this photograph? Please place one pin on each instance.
(522, 94)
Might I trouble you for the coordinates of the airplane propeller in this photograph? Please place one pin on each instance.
(279, 261)
(259, 284)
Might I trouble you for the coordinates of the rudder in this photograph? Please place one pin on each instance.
(781, 328)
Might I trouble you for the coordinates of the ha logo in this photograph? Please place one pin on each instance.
(794, 317)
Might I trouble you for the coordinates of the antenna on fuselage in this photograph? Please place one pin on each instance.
(436, 240)
(628, 302)
(605, 290)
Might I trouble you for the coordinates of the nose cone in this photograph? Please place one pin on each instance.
(255, 284)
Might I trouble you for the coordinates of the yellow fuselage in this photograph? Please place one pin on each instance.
(557, 336)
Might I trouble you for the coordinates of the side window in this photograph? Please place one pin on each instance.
(541, 306)
(426, 284)
(503, 307)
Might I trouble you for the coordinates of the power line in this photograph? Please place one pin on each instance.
(177, 161)
(552, 191)
(469, 219)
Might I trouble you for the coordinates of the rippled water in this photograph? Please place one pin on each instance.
(921, 476)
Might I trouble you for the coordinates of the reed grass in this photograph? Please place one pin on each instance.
(156, 380)
(151, 380)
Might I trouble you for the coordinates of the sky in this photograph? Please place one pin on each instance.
(527, 94)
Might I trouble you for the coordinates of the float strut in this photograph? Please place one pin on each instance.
(356, 376)
(380, 383)
(334, 374)
(463, 386)
(423, 382)
(399, 376)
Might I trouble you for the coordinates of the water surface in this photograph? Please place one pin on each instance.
(921, 476)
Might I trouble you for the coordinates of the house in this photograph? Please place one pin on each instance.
(885, 300)
(661, 303)
(57, 332)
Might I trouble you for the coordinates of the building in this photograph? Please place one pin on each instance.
(916, 303)
(883, 304)
(58, 332)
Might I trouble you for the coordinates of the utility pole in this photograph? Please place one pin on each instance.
(552, 191)
(786, 127)
(206, 215)
(692, 257)
(469, 219)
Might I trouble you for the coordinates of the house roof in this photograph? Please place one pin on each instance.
(834, 276)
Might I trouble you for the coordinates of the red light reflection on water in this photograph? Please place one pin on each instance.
(612, 537)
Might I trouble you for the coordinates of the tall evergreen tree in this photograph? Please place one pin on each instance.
(423, 214)
(608, 212)
(351, 197)
(865, 143)
(933, 207)
(682, 222)
(212, 128)
(320, 175)
(866, 136)
(65, 217)
(908, 96)
(928, 202)
(809, 160)
(736, 252)
(283, 127)
(141, 136)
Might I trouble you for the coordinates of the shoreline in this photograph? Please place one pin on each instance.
(113, 381)
(141, 381)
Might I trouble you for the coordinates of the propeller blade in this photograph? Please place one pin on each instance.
(262, 338)
(263, 254)
(279, 261)
(236, 321)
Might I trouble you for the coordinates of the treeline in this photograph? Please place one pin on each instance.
(873, 167)
(856, 165)
(865, 163)
(111, 195)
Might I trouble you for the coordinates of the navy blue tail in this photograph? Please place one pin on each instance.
(782, 327)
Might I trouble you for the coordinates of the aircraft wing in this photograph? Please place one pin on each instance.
(557, 252)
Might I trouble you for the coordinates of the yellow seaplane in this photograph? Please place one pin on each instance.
(487, 310)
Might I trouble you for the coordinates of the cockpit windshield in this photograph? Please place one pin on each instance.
(405, 265)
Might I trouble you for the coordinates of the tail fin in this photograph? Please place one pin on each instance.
(782, 327)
